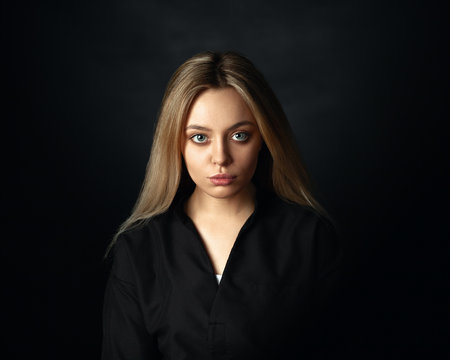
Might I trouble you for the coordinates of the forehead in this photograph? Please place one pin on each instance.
(219, 108)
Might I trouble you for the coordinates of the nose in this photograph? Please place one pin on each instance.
(220, 153)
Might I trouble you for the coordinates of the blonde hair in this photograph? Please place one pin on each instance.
(280, 167)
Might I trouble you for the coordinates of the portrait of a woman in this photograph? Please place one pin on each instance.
(227, 254)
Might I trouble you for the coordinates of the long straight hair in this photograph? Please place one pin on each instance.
(280, 167)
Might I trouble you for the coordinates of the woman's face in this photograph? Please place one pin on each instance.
(221, 143)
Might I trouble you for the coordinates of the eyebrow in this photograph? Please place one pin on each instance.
(202, 128)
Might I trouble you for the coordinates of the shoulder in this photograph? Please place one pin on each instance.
(143, 233)
(137, 248)
(292, 214)
(320, 236)
(316, 235)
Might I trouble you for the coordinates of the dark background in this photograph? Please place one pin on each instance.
(364, 84)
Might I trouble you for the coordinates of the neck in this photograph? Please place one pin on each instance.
(204, 205)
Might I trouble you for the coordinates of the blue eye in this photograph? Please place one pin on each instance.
(240, 136)
(199, 138)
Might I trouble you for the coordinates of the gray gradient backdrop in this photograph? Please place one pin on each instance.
(363, 84)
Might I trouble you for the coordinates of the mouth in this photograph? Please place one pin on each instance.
(222, 176)
(222, 179)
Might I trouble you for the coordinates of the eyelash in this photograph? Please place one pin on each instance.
(246, 134)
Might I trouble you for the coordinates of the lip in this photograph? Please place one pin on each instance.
(222, 176)
(222, 179)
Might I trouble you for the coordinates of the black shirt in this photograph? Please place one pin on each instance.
(162, 299)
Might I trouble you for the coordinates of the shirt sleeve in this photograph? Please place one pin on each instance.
(125, 336)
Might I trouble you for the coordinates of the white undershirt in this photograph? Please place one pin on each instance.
(219, 277)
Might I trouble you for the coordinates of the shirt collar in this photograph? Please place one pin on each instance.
(261, 196)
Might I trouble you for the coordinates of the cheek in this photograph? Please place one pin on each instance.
(249, 158)
(193, 159)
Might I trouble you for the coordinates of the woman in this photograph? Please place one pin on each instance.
(226, 255)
